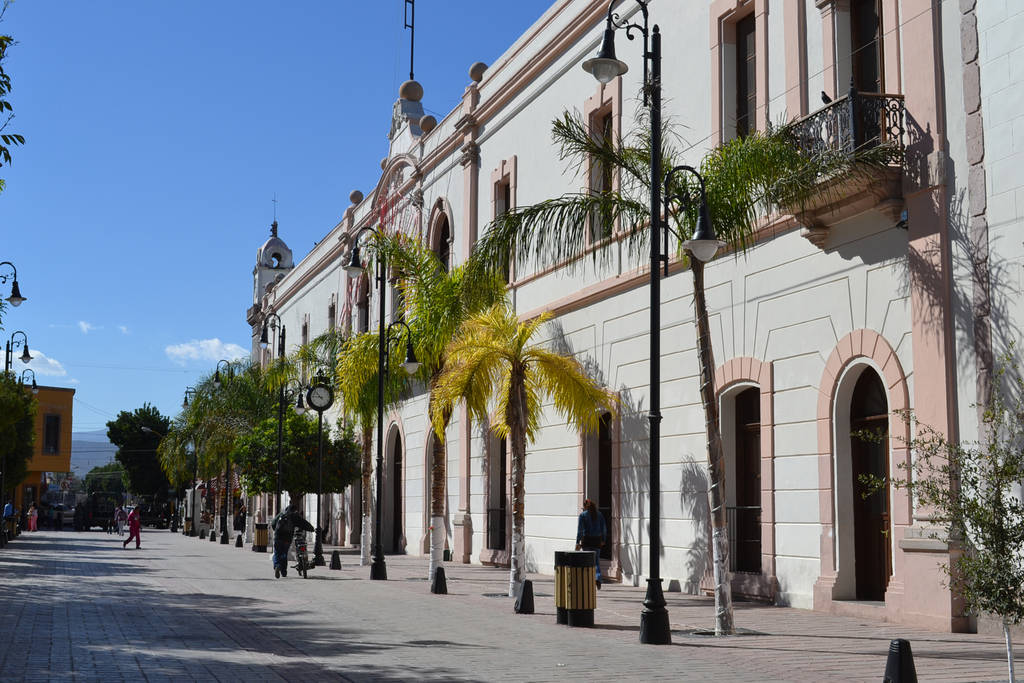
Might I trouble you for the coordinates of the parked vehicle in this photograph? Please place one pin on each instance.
(302, 562)
(99, 510)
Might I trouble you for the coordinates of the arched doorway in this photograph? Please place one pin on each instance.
(869, 458)
(392, 504)
(741, 419)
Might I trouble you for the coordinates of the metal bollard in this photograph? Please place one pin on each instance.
(899, 667)
(336, 560)
(440, 585)
(213, 535)
(524, 601)
(238, 541)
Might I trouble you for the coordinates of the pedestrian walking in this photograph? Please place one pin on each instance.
(33, 518)
(591, 534)
(284, 529)
(134, 526)
(120, 517)
(240, 518)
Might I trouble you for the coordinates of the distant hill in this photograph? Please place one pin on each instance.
(90, 449)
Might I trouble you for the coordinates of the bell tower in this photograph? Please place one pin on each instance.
(273, 261)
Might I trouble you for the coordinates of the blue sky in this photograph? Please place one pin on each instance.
(158, 134)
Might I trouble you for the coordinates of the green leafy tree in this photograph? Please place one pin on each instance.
(745, 179)
(974, 489)
(7, 140)
(107, 478)
(256, 455)
(137, 449)
(17, 433)
(495, 358)
(437, 301)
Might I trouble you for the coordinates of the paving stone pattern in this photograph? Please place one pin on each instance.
(76, 606)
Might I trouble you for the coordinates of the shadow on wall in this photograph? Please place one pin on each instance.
(693, 498)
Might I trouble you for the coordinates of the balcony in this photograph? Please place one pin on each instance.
(854, 121)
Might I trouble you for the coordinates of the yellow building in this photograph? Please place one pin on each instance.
(52, 449)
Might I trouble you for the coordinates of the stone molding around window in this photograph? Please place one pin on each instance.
(725, 14)
(606, 100)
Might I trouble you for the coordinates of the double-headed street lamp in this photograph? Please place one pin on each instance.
(264, 343)
(191, 392)
(217, 384)
(12, 345)
(15, 299)
(654, 622)
(378, 569)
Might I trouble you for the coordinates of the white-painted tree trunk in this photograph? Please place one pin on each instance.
(515, 575)
(437, 536)
(1009, 648)
(364, 542)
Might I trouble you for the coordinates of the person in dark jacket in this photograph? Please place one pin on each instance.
(591, 534)
(284, 529)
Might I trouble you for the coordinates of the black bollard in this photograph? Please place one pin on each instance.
(440, 586)
(238, 541)
(202, 534)
(213, 535)
(524, 602)
(899, 667)
(335, 560)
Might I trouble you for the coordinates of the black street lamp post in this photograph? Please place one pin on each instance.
(378, 568)
(191, 392)
(654, 622)
(217, 384)
(15, 299)
(264, 342)
(24, 378)
(12, 345)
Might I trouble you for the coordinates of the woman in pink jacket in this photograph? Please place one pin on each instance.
(134, 525)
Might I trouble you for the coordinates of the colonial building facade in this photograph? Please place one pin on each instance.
(894, 294)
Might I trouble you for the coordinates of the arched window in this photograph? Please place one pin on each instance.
(363, 305)
(442, 242)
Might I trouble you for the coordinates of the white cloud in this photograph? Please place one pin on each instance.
(73, 381)
(204, 349)
(86, 327)
(41, 364)
(123, 328)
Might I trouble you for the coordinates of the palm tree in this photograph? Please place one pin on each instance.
(745, 179)
(494, 357)
(437, 303)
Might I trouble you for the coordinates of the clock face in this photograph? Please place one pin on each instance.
(320, 397)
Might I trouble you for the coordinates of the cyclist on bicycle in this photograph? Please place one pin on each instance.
(284, 529)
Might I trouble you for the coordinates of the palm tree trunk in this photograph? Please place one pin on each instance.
(366, 470)
(437, 488)
(716, 496)
(517, 433)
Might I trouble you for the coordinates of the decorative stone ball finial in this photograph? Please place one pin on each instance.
(428, 123)
(476, 72)
(383, 163)
(411, 90)
(355, 197)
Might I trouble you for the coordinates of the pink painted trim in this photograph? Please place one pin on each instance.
(747, 370)
(860, 344)
(795, 22)
(724, 15)
(506, 172)
(607, 99)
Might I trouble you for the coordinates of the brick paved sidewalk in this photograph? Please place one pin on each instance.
(79, 607)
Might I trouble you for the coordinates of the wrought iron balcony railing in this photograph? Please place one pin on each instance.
(853, 121)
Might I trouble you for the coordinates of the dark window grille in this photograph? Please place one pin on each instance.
(744, 523)
(51, 434)
(497, 526)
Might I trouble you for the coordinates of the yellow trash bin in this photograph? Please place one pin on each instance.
(575, 588)
(260, 539)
